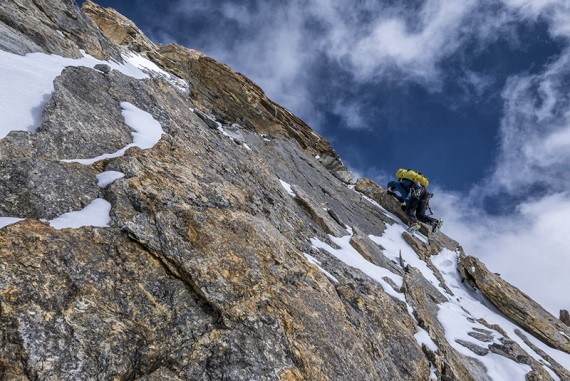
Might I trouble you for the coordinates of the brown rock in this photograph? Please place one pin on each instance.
(56, 27)
(117, 28)
(515, 305)
(565, 317)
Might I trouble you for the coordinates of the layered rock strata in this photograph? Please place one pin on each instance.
(209, 268)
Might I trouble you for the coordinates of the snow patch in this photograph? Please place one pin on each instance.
(146, 133)
(352, 258)
(107, 177)
(5, 221)
(94, 214)
(457, 318)
(288, 188)
(317, 263)
(395, 245)
(422, 337)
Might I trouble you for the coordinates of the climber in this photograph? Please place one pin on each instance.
(408, 180)
(416, 210)
(411, 186)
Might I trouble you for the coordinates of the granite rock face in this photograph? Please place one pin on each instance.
(53, 27)
(209, 267)
(217, 89)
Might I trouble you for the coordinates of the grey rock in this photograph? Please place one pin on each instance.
(31, 188)
(565, 317)
(57, 27)
(337, 168)
(201, 274)
(483, 337)
(206, 119)
(234, 131)
(318, 213)
(15, 42)
(473, 347)
(103, 68)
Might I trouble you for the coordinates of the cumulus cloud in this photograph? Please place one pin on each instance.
(283, 46)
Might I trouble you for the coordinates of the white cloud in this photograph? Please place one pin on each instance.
(528, 248)
(392, 41)
(535, 131)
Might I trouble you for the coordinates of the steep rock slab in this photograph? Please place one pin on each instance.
(89, 304)
(516, 305)
(83, 117)
(32, 188)
(215, 87)
(55, 26)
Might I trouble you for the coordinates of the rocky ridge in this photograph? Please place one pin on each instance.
(211, 267)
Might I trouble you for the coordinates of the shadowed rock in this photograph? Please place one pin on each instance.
(54, 26)
(516, 305)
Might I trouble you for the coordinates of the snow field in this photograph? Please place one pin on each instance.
(458, 316)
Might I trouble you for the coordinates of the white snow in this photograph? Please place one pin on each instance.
(147, 130)
(422, 337)
(469, 304)
(146, 133)
(317, 263)
(27, 85)
(143, 63)
(94, 214)
(107, 177)
(459, 315)
(5, 221)
(287, 187)
(394, 246)
(351, 257)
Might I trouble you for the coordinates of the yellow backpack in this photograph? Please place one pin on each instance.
(414, 176)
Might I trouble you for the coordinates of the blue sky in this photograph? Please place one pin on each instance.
(475, 94)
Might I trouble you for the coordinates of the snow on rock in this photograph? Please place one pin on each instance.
(107, 177)
(287, 187)
(423, 339)
(94, 214)
(147, 131)
(5, 221)
(317, 263)
(27, 85)
(353, 258)
(458, 316)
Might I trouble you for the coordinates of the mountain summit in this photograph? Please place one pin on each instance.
(163, 219)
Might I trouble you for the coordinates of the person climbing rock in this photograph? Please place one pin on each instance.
(411, 186)
(407, 180)
(417, 207)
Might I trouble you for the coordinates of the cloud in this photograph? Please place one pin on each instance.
(535, 131)
(529, 248)
(283, 46)
(529, 245)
